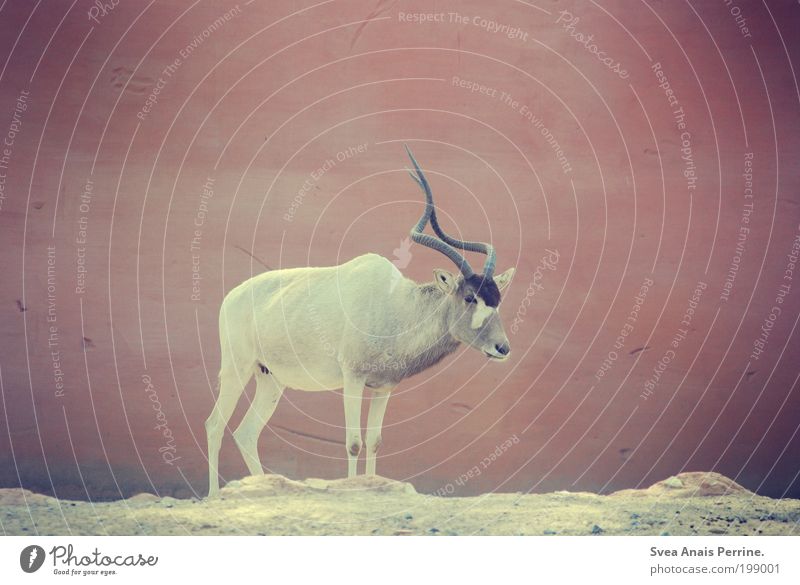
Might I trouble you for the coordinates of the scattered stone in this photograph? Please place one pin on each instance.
(597, 530)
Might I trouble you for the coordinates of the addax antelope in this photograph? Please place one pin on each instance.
(356, 325)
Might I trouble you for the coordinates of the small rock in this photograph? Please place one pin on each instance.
(316, 483)
(596, 529)
(434, 530)
(673, 482)
(665, 533)
(549, 532)
(144, 497)
(408, 517)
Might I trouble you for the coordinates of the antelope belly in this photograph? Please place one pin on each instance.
(308, 376)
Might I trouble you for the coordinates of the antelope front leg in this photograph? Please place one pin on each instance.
(353, 392)
(377, 408)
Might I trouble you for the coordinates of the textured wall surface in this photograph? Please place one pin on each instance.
(636, 161)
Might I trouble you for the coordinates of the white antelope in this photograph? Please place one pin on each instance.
(349, 326)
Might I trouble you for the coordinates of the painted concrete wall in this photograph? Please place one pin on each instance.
(637, 163)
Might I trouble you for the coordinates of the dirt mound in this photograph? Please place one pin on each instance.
(690, 484)
(22, 497)
(256, 486)
(277, 485)
(364, 483)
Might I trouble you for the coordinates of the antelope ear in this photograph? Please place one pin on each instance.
(503, 280)
(446, 282)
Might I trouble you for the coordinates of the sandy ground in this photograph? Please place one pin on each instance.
(690, 503)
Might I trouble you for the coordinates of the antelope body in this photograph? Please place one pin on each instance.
(356, 325)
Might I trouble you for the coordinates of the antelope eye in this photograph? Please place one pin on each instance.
(469, 299)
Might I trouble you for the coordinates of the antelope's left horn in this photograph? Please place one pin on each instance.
(446, 244)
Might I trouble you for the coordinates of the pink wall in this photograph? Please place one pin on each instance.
(268, 96)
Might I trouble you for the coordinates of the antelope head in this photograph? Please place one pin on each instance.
(473, 298)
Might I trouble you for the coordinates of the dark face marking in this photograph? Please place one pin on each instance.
(486, 289)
